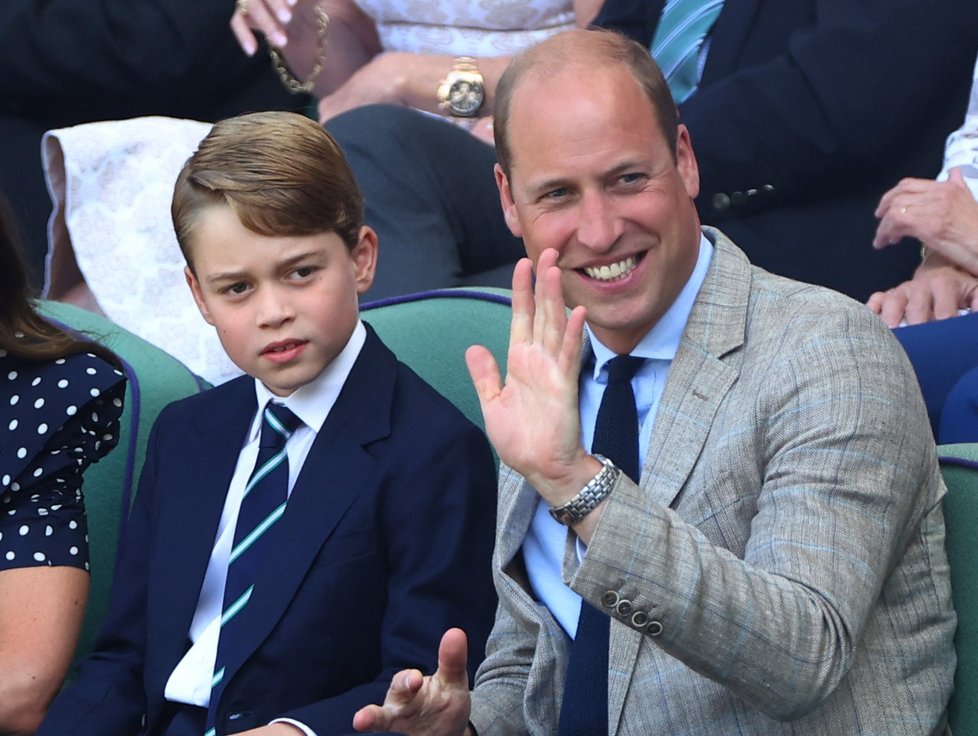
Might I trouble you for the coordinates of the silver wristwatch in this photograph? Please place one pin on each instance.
(590, 496)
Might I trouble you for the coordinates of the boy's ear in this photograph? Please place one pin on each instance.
(198, 294)
(364, 259)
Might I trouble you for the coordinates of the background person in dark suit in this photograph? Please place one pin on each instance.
(64, 62)
(386, 535)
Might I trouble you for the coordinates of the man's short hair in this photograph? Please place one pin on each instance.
(280, 173)
(591, 47)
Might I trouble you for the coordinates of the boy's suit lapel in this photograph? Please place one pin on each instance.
(210, 454)
(336, 471)
(703, 371)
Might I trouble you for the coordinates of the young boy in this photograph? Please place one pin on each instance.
(376, 533)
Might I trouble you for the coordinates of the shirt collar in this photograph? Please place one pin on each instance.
(313, 402)
(662, 341)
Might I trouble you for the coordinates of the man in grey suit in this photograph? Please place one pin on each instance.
(780, 566)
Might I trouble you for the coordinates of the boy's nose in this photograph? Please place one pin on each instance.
(274, 308)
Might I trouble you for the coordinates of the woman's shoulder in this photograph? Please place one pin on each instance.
(82, 372)
(40, 397)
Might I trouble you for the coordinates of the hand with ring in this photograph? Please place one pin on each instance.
(942, 215)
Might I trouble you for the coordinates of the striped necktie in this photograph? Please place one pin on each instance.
(262, 505)
(677, 41)
(584, 711)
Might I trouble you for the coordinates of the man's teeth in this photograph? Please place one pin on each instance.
(612, 271)
(283, 348)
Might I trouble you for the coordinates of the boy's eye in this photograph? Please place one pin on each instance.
(303, 272)
(237, 288)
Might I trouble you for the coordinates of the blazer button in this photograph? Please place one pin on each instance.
(624, 607)
(640, 619)
(610, 599)
(654, 628)
(721, 202)
(738, 199)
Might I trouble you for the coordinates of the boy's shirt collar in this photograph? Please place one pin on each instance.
(313, 402)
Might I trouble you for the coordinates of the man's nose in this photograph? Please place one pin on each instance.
(599, 226)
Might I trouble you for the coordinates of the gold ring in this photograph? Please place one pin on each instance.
(241, 6)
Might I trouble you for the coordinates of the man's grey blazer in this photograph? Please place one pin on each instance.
(780, 568)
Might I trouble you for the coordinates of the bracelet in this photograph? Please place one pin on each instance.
(596, 490)
(289, 81)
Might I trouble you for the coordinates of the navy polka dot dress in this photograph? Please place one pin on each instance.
(56, 418)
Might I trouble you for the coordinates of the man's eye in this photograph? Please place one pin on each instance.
(558, 193)
(239, 288)
(631, 178)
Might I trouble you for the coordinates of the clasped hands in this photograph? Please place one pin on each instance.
(944, 217)
(532, 420)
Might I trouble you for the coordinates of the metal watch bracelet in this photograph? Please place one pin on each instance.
(596, 490)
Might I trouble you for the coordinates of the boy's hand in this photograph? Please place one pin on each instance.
(437, 705)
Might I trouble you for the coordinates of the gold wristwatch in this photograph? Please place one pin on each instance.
(462, 92)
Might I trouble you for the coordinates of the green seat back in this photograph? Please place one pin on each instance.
(431, 331)
(154, 380)
(959, 464)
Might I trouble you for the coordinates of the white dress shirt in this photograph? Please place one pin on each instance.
(543, 547)
(190, 681)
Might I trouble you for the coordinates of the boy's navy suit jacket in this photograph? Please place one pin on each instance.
(386, 543)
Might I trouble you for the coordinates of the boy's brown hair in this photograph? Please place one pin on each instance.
(281, 173)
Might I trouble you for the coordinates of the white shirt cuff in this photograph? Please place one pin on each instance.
(301, 726)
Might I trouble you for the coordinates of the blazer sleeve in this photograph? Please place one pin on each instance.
(848, 482)
(107, 696)
(800, 95)
(439, 560)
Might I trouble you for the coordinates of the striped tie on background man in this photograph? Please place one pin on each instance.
(678, 38)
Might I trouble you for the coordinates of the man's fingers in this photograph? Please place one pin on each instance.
(570, 352)
(521, 328)
(484, 373)
(555, 323)
(547, 260)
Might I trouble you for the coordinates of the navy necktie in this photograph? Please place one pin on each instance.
(585, 705)
(262, 505)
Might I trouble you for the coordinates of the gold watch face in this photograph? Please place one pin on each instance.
(465, 95)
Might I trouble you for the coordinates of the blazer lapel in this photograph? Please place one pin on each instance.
(705, 367)
(728, 37)
(209, 458)
(335, 472)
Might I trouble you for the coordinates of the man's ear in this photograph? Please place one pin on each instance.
(195, 289)
(364, 259)
(686, 162)
(507, 202)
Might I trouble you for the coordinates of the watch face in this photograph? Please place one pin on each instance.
(465, 97)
